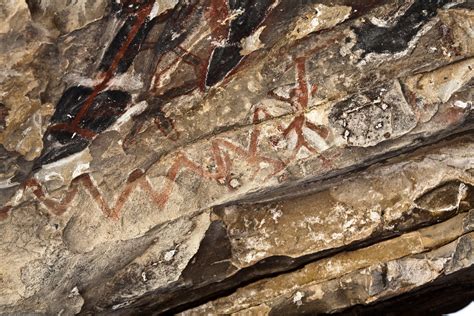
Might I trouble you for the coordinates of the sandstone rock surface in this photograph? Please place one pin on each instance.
(236, 157)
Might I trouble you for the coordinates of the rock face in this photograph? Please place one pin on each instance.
(236, 157)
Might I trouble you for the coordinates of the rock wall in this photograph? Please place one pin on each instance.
(235, 157)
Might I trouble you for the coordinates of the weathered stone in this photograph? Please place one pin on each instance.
(66, 16)
(246, 157)
(353, 277)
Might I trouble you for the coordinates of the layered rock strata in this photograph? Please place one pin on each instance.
(235, 157)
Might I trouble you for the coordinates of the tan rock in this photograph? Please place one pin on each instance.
(241, 157)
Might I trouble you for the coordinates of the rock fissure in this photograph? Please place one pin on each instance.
(235, 157)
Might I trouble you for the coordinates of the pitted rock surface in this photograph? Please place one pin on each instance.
(236, 157)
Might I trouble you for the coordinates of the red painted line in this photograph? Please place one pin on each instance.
(141, 16)
(4, 212)
(73, 129)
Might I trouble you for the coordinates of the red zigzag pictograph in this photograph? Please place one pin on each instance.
(220, 149)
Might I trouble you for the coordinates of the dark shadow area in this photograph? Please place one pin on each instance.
(443, 296)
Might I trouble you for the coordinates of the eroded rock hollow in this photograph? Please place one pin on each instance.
(244, 157)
